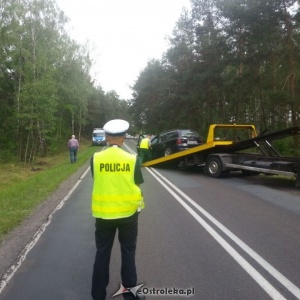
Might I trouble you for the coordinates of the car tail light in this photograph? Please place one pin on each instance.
(178, 141)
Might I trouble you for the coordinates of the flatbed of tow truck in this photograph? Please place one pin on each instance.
(220, 157)
(212, 144)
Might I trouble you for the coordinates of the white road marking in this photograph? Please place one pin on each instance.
(252, 272)
(14, 268)
(274, 272)
(243, 263)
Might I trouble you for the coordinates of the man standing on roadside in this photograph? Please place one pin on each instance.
(116, 201)
(73, 146)
(144, 151)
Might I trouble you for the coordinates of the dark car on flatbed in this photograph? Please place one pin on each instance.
(173, 141)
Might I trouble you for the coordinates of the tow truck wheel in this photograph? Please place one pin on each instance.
(214, 167)
(168, 151)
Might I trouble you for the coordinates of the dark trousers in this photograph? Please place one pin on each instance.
(104, 235)
(144, 155)
(73, 154)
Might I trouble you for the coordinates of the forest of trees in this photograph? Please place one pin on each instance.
(229, 61)
(46, 91)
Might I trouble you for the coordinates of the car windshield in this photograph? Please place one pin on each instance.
(97, 134)
(189, 133)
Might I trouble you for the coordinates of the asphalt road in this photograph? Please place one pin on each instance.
(211, 238)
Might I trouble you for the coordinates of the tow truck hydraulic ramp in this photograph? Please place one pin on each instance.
(220, 156)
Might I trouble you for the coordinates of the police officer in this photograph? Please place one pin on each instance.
(144, 151)
(116, 201)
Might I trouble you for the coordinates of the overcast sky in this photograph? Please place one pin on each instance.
(124, 34)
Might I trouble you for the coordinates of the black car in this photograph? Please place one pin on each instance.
(173, 141)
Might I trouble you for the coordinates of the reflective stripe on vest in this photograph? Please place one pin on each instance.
(144, 143)
(115, 195)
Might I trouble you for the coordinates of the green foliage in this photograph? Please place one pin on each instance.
(229, 61)
(21, 193)
(285, 146)
(46, 92)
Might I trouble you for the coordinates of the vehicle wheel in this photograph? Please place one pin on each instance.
(214, 167)
(168, 151)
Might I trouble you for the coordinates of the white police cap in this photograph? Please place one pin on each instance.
(116, 127)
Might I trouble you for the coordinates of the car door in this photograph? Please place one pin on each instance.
(171, 143)
(157, 147)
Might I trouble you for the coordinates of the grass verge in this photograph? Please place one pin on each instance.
(24, 187)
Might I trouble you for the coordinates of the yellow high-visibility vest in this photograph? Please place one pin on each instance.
(144, 144)
(115, 195)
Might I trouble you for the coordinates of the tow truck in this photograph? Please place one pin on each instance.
(237, 148)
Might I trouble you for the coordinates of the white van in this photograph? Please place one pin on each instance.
(98, 137)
